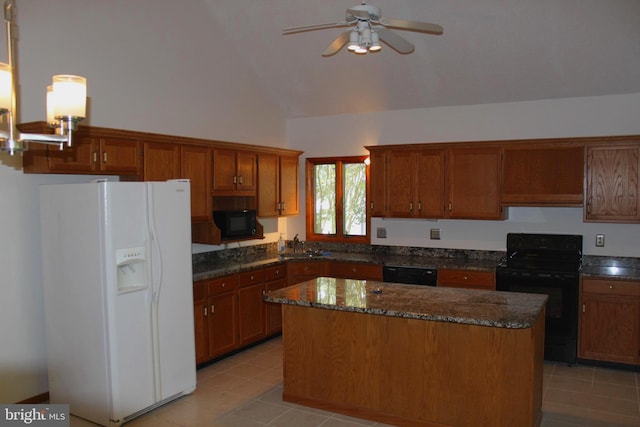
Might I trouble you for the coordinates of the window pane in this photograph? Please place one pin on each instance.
(355, 199)
(324, 221)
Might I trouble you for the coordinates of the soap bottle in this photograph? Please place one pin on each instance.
(281, 245)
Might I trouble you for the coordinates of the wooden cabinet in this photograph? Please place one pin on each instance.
(215, 313)
(161, 161)
(610, 320)
(415, 183)
(613, 188)
(300, 271)
(454, 278)
(196, 167)
(251, 308)
(277, 185)
(473, 183)
(354, 270)
(377, 183)
(542, 175)
(234, 172)
(96, 155)
(275, 278)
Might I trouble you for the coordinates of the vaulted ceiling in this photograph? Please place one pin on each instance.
(491, 51)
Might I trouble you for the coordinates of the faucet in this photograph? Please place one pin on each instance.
(296, 242)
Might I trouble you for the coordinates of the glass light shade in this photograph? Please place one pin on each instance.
(69, 96)
(5, 86)
(375, 42)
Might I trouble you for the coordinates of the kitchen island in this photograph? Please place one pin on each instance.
(413, 355)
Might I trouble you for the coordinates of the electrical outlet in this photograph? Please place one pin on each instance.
(434, 234)
(600, 240)
(381, 232)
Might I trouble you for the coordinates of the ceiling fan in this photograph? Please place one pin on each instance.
(367, 29)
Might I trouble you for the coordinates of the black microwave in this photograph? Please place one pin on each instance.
(234, 224)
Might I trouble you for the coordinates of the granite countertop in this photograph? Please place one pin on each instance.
(611, 272)
(467, 306)
(221, 268)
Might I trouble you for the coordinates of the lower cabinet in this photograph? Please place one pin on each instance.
(354, 270)
(251, 307)
(609, 320)
(301, 271)
(275, 278)
(466, 279)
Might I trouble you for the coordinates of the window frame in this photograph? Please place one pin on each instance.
(339, 237)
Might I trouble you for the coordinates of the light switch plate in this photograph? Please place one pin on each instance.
(381, 232)
(600, 240)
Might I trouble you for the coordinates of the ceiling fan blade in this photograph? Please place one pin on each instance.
(292, 30)
(422, 27)
(395, 41)
(337, 44)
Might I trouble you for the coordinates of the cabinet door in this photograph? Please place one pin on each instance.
(81, 157)
(377, 182)
(542, 175)
(224, 170)
(196, 167)
(268, 178)
(300, 271)
(610, 321)
(246, 171)
(161, 161)
(400, 184)
(289, 185)
(354, 270)
(200, 321)
(473, 183)
(613, 190)
(223, 332)
(429, 182)
(121, 156)
(251, 313)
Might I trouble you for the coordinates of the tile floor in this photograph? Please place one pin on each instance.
(245, 391)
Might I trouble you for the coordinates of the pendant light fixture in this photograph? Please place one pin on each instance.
(66, 101)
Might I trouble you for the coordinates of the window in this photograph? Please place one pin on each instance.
(337, 199)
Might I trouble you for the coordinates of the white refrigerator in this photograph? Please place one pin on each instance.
(118, 296)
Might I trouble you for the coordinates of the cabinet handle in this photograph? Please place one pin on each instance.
(104, 157)
(449, 206)
(584, 308)
(235, 179)
(282, 206)
(240, 179)
(95, 157)
(466, 278)
(223, 285)
(419, 206)
(610, 286)
(372, 206)
(205, 312)
(213, 308)
(410, 206)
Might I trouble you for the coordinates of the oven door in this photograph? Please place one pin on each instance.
(561, 313)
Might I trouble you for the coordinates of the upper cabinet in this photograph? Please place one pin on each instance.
(277, 185)
(542, 175)
(473, 183)
(612, 189)
(196, 167)
(234, 172)
(435, 182)
(161, 161)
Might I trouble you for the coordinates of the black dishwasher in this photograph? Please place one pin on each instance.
(410, 275)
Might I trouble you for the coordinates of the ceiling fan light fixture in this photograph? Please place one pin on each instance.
(361, 50)
(375, 42)
(354, 41)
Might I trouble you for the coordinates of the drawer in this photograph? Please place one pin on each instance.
(275, 273)
(467, 278)
(251, 277)
(354, 270)
(611, 287)
(223, 284)
(305, 268)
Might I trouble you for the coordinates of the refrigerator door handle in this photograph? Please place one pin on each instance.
(156, 286)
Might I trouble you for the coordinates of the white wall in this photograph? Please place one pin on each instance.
(593, 116)
(151, 65)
